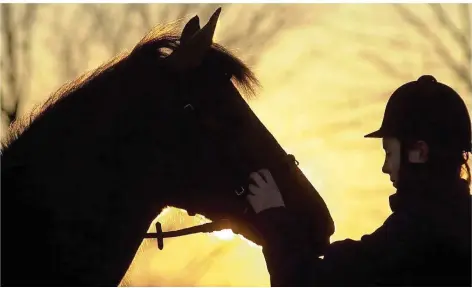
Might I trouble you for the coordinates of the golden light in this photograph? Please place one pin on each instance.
(225, 234)
(228, 234)
(325, 85)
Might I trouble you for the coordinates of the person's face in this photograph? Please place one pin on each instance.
(392, 159)
(417, 155)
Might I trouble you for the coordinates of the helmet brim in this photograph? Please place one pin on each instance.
(376, 134)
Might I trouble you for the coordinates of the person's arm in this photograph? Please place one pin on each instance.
(286, 264)
(274, 224)
(367, 262)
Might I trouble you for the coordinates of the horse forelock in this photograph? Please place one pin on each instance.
(166, 38)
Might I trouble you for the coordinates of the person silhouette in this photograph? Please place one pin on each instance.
(426, 241)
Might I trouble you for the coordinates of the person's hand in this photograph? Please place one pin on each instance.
(265, 194)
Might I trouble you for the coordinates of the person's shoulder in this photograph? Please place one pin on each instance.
(400, 230)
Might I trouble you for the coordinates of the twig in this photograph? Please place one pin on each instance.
(424, 30)
(11, 66)
(384, 65)
(451, 28)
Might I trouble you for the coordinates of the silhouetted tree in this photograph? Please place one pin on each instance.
(17, 24)
(461, 67)
(256, 29)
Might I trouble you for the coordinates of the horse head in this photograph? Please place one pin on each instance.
(166, 124)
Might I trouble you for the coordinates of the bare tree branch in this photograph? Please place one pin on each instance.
(143, 13)
(461, 71)
(465, 11)
(456, 33)
(16, 64)
(68, 68)
(27, 23)
(256, 36)
(11, 58)
(385, 66)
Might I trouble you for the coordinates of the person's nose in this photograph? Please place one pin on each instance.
(385, 168)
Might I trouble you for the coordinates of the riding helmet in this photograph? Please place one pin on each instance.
(428, 110)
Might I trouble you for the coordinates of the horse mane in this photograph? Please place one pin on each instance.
(161, 41)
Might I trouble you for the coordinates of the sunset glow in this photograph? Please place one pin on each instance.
(326, 71)
(225, 234)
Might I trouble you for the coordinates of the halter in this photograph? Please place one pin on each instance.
(203, 228)
(240, 192)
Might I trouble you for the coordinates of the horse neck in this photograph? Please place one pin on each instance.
(70, 165)
(71, 144)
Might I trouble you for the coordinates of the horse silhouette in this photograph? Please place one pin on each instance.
(84, 175)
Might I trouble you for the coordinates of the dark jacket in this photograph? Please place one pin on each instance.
(425, 242)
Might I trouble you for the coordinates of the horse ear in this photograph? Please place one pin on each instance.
(191, 52)
(192, 27)
(204, 38)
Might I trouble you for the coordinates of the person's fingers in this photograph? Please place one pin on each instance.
(267, 175)
(253, 189)
(257, 178)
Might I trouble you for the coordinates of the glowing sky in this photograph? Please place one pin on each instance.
(326, 77)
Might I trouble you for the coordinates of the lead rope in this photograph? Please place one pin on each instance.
(203, 228)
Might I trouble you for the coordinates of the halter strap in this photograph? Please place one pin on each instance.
(203, 228)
